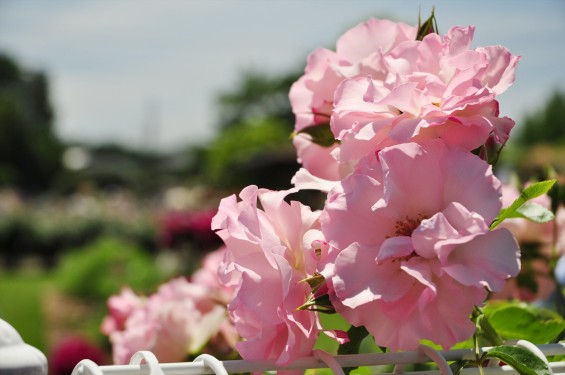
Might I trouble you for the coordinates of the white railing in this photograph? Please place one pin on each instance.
(145, 363)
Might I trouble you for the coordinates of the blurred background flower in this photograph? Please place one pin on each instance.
(73, 349)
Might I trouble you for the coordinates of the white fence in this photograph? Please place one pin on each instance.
(145, 363)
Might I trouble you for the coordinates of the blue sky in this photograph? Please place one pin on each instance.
(146, 73)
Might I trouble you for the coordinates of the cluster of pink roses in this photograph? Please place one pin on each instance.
(382, 87)
(181, 318)
(386, 125)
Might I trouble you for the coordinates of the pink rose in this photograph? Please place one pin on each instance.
(413, 252)
(269, 254)
(442, 89)
(138, 335)
(315, 158)
(207, 275)
(359, 52)
(177, 320)
(120, 308)
(382, 87)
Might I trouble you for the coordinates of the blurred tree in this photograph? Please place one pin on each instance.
(546, 125)
(253, 146)
(540, 142)
(30, 153)
(256, 96)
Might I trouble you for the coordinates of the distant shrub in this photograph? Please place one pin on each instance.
(49, 235)
(102, 268)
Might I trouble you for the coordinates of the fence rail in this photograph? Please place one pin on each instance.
(145, 363)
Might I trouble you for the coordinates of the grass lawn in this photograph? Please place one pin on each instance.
(21, 305)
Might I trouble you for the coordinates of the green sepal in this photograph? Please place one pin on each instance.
(321, 304)
(520, 359)
(428, 27)
(316, 281)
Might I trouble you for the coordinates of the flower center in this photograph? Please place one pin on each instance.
(406, 227)
(405, 258)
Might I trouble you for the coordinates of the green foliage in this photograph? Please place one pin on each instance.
(502, 321)
(513, 321)
(234, 157)
(47, 234)
(20, 305)
(516, 209)
(104, 267)
(253, 147)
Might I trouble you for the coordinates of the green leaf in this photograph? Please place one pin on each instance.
(537, 189)
(356, 336)
(531, 192)
(321, 134)
(520, 321)
(533, 212)
(520, 359)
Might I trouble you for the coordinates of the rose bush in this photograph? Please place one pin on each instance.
(394, 126)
